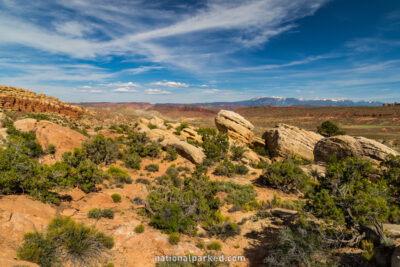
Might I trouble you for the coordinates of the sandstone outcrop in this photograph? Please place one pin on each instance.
(23, 100)
(285, 140)
(237, 127)
(186, 150)
(347, 146)
(64, 139)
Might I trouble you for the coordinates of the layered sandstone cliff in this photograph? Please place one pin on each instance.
(23, 100)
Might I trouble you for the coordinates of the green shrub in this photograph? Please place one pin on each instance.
(346, 194)
(215, 144)
(174, 238)
(65, 240)
(214, 245)
(285, 176)
(328, 128)
(100, 149)
(237, 152)
(132, 160)
(182, 126)
(299, 245)
(224, 230)
(108, 213)
(171, 154)
(241, 169)
(151, 126)
(152, 168)
(119, 175)
(97, 213)
(142, 181)
(261, 150)
(225, 168)
(116, 197)
(39, 116)
(261, 165)
(139, 229)
(51, 149)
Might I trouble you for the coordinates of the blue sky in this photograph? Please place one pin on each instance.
(197, 51)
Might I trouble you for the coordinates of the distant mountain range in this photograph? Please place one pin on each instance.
(290, 101)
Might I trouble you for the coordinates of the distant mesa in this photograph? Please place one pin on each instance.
(18, 99)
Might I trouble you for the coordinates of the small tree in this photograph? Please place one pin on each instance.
(328, 129)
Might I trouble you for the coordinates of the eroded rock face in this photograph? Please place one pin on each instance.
(348, 146)
(285, 140)
(64, 139)
(186, 150)
(23, 100)
(238, 128)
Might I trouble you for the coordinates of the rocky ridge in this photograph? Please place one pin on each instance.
(26, 101)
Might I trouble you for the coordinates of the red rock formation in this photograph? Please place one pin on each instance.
(23, 100)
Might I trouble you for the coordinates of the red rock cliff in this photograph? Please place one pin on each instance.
(23, 100)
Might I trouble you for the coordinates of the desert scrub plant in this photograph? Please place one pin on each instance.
(297, 245)
(174, 238)
(223, 230)
(237, 152)
(132, 160)
(215, 144)
(171, 154)
(328, 128)
(241, 169)
(118, 175)
(142, 181)
(152, 126)
(225, 168)
(51, 149)
(261, 165)
(100, 149)
(139, 229)
(116, 198)
(182, 126)
(286, 176)
(65, 241)
(262, 151)
(152, 167)
(214, 245)
(97, 213)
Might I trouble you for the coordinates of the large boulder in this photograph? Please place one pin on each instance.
(237, 127)
(189, 133)
(186, 150)
(64, 139)
(285, 140)
(348, 146)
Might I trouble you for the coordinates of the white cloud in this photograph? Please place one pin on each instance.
(157, 92)
(134, 29)
(124, 90)
(143, 69)
(95, 91)
(86, 87)
(72, 28)
(119, 84)
(170, 84)
(211, 91)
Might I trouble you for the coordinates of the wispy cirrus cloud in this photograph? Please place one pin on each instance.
(251, 22)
